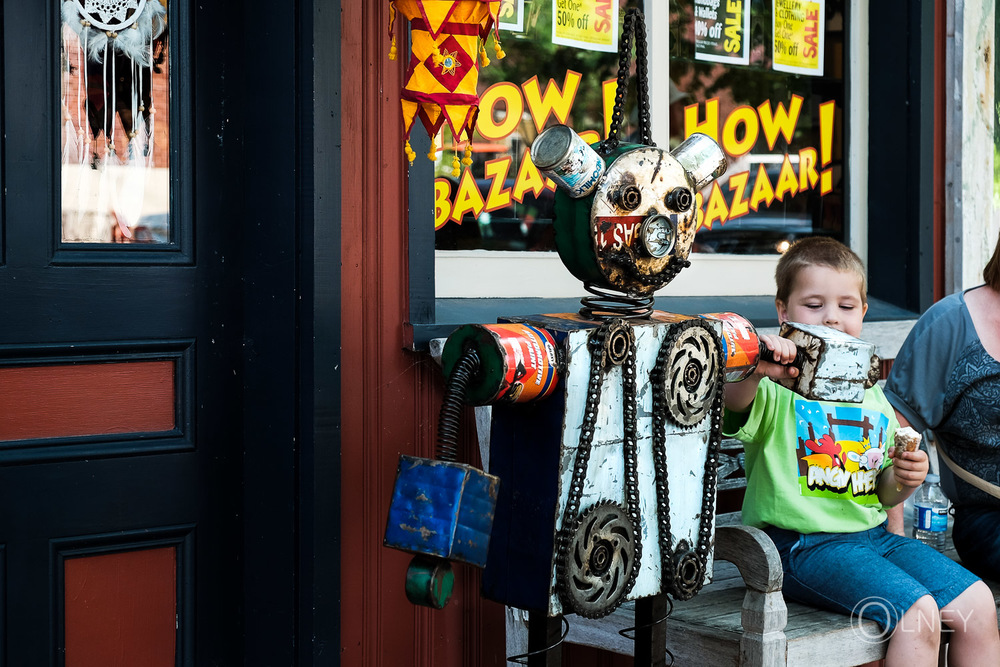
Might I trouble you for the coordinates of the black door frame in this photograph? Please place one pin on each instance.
(291, 272)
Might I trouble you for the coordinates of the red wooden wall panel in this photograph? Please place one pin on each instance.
(55, 401)
(391, 397)
(121, 609)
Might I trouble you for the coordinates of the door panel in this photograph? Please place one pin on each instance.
(120, 428)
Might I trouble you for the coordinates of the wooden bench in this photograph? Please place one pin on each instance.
(740, 618)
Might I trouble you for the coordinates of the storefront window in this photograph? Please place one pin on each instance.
(767, 80)
(551, 74)
(771, 92)
(115, 131)
(774, 105)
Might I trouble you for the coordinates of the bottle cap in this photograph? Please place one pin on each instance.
(932, 478)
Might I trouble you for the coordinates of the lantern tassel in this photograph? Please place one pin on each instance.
(392, 33)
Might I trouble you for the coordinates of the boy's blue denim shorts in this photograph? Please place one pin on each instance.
(873, 574)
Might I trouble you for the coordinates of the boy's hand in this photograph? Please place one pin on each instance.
(784, 352)
(739, 395)
(909, 468)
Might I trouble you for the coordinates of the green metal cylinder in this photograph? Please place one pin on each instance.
(429, 582)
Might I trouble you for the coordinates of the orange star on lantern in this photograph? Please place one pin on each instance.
(450, 62)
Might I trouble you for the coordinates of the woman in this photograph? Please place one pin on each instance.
(947, 378)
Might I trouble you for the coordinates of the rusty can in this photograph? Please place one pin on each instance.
(518, 362)
(741, 345)
(563, 156)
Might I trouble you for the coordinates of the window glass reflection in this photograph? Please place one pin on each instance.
(500, 201)
(115, 127)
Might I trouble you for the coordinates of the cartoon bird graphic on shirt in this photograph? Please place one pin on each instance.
(850, 455)
(827, 453)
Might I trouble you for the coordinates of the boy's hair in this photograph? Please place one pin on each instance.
(818, 251)
(991, 274)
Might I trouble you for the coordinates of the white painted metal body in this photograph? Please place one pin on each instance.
(686, 449)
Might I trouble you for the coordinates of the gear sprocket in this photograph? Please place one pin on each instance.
(597, 570)
(691, 374)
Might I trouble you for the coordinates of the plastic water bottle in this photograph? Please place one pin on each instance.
(930, 513)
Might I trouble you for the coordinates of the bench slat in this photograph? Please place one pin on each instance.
(710, 628)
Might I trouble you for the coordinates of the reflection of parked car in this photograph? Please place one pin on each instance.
(753, 236)
(525, 225)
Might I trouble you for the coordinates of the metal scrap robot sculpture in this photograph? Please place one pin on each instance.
(606, 424)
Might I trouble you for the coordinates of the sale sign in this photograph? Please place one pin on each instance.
(586, 24)
(722, 30)
(798, 36)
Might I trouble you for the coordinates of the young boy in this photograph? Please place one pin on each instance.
(820, 474)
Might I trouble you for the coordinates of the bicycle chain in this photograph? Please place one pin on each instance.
(630, 446)
(675, 562)
(626, 260)
(597, 347)
(633, 25)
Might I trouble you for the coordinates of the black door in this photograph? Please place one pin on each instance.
(120, 355)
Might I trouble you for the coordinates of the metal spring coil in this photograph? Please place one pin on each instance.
(451, 408)
(607, 304)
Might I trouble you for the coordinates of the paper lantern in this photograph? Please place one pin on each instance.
(449, 40)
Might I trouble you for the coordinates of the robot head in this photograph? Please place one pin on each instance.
(634, 231)
(643, 218)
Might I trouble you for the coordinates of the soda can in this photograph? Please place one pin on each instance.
(741, 345)
(563, 156)
(518, 362)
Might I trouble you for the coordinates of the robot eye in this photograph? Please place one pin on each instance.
(678, 199)
(629, 197)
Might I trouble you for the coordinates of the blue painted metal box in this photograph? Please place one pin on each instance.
(442, 509)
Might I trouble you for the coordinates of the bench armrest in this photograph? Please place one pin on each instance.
(754, 555)
(764, 614)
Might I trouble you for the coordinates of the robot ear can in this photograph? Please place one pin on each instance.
(562, 155)
(702, 158)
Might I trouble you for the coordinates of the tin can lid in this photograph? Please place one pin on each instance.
(551, 146)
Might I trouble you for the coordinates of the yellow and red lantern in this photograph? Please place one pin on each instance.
(449, 38)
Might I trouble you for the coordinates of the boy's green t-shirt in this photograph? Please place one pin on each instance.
(813, 466)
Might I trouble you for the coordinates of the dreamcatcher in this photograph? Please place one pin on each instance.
(113, 46)
(449, 42)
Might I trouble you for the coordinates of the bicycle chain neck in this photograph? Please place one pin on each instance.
(634, 26)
